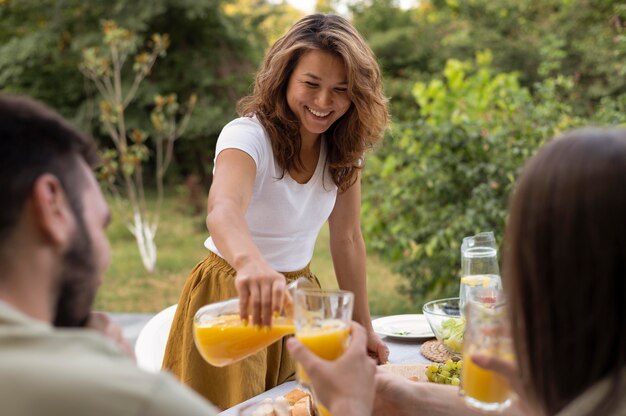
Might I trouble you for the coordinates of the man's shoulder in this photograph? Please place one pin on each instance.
(79, 371)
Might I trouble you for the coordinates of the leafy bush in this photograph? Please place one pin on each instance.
(448, 173)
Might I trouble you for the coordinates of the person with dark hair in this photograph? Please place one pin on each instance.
(57, 357)
(565, 271)
(291, 162)
(565, 278)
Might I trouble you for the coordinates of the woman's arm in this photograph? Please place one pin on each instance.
(260, 287)
(348, 252)
(398, 396)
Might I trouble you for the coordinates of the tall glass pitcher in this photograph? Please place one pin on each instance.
(479, 264)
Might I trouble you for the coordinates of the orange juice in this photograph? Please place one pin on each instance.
(327, 341)
(483, 385)
(225, 339)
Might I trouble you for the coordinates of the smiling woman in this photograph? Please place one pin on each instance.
(288, 165)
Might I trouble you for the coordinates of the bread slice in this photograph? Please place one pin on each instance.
(415, 372)
(295, 395)
(304, 407)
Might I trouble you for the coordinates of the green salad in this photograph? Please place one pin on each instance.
(452, 333)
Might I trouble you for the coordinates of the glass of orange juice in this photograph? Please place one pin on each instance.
(487, 333)
(322, 320)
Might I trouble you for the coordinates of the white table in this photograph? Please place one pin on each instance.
(400, 352)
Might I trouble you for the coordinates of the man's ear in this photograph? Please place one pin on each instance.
(53, 212)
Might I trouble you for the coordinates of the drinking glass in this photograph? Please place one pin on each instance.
(222, 338)
(479, 265)
(322, 320)
(486, 333)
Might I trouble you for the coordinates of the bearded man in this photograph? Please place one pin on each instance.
(57, 357)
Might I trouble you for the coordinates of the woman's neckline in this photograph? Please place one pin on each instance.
(319, 163)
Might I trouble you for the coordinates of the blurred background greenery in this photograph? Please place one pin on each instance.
(475, 86)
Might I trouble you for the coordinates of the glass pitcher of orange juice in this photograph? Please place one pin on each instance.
(222, 338)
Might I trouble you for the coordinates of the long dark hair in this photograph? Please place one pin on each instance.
(565, 268)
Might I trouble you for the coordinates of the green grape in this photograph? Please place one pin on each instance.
(446, 373)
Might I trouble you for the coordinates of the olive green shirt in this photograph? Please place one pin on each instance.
(63, 372)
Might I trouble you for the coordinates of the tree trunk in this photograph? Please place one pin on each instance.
(144, 235)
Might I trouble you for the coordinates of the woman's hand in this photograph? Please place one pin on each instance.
(346, 386)
(376, 348)
(261, 292)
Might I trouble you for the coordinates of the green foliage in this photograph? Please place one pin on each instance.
(211, 53)
(448, 173)
(465, 120)
(581, 39)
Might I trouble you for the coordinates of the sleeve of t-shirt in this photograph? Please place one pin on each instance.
(245, 134)
(169, 397)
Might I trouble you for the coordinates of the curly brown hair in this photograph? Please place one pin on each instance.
(350, 136)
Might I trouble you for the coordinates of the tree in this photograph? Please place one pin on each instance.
(105, 68)
(212, 54)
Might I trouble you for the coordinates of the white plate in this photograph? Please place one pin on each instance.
(403, 326)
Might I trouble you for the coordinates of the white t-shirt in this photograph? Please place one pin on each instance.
(284, 216)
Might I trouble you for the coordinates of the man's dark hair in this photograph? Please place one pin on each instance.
(35, 140)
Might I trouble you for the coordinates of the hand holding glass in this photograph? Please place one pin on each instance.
(322, 321)
(486, 333)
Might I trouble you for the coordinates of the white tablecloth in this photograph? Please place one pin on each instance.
(400, 352)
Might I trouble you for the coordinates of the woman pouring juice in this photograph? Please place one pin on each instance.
(291, 162)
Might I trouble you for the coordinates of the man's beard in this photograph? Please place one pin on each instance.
(76, 281)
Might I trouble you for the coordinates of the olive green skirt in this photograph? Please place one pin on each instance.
(213, 280)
